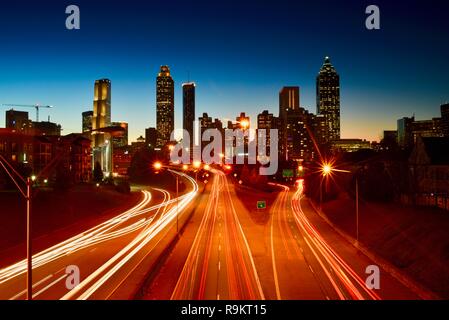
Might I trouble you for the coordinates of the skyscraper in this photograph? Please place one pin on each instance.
(328, 99)
(87, 121)
(288, 102)
(101, 119)
(165, 106)
(188, 109)
(266, 121)
(299, 131)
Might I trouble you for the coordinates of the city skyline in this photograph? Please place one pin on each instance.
(232, 75)
(240, 152)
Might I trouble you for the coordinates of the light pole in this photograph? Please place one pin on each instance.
(27, 197)
(357, 206)
(177, 204)
(29, 252)
(326, 170)
(158, 166)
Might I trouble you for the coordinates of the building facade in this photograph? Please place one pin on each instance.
(188, 111)
(165, 106)
(17, 120)
(151, 137)
(120, 140)
(328, 99)
(101, 145)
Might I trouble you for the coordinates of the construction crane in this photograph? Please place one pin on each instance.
(36, 106)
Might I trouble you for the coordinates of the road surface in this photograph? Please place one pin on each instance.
(105, 255)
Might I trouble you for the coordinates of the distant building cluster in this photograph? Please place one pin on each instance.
(409, 129)
(303, 135)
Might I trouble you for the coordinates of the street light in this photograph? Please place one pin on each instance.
(206, 167)
(327, 170)
(158, 166)
(185, 167)
(27, 196)
(196, 165)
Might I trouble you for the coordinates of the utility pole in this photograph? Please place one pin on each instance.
(357, 207)
(177, 204)
(29, 248)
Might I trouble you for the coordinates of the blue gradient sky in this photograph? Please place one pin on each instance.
(239, 55)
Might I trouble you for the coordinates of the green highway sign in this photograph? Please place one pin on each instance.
(261, 204)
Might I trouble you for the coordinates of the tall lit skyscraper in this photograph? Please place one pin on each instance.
(288, 103)
(188, 108)
(328, 99)
(288, 100)
(165, 106)
(101, 119)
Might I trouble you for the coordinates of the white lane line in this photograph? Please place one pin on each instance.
(273, 261)
(310, 267)
(34, 285)
(219, 265)
(50, 285)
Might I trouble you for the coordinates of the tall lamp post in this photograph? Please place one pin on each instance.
(327, 170)
(27, 196)
(158, 166)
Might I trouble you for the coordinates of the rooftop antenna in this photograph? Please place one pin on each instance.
(188, 76)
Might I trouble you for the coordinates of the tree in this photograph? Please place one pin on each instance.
(98, 172)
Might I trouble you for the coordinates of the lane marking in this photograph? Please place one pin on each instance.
(50, 285)
(34, 286)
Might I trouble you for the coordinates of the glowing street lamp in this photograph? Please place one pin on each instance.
(157, 165)
(326, 169)
(196, 164)
(33, 178)
(206, 167)
(185, 167)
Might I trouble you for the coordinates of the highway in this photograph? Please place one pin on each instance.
(307, 265)
(220, 263)
(294, 255)
(106, 255)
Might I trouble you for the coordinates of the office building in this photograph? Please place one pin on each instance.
(188, 110)
(120, 139)
(165, 106)
(101, 119)
(328, 99)
(17, 120)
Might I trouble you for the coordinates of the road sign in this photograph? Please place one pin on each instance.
(261, 204)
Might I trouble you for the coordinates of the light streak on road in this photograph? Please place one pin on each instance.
(91, 284)
(277, 207)
(220, 263)
(325, 254)
(130, 221)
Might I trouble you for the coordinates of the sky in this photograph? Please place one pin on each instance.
(239, 53)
